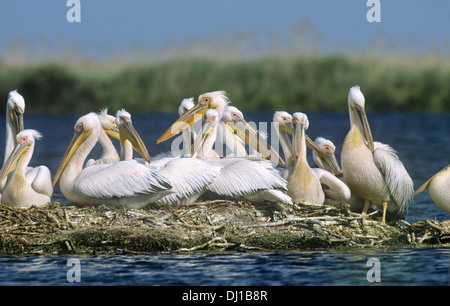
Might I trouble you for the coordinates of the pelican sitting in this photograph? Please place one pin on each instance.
(374, 172)
(25, 188)
(188, 176)
(219, 101)
(439, 188)
(126, 183)
(240, 178)
(305, 183)
(109, 128)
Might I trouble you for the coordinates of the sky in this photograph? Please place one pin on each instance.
(116, 27)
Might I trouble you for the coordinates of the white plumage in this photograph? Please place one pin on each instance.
(25, 186)
(439, 188)
(124, 183)
(373, 170)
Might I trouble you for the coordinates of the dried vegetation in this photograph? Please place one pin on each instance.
(205, 226)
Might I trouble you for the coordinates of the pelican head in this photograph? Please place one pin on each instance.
(301, 124)
(84, 127)
(185, 106)
(326, 154)
(216, 100)
(25, 140)
(358, 116)
(109, 123)
(128, 133)
(210, 121)
(16, 109)
(284, 120)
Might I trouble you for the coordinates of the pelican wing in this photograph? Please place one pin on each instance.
(123, 179)
(42, 181)
(337, 188)
(188, 176)
(397, 178)
(241, 177)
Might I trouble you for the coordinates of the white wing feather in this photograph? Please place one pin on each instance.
(188, 176)
(122, 179)
(397, 178)
(241, 177)
(338, 190)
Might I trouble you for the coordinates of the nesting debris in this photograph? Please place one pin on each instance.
(205, 226)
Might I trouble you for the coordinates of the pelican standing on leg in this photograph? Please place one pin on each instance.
(25, 188)
(439, 188)
(125, 183)
(373, 171)
(189, 177)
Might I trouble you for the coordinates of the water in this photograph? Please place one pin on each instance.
(422, 143)
(425, 267)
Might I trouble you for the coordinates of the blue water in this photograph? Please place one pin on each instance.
(426, 267)
(422, 143)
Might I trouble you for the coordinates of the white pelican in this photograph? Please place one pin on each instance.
(125, 183)
(25, 188)
(109, 127)
(240, 178)
(188, 176)
(373, 171)
(15, 108)
(219, 101)
(305, 183)
(439, 188)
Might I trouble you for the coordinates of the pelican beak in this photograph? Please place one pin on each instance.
(299, 133)
(289, 128)
(127, 132)
(365, 124)
(78, 138)
(254, 139)
(16, 119)
(113, 132)
(207, 127)
(187, 119)
(331, 160)
(12, 160)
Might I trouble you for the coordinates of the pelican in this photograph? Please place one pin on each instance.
(219, 101)
(25, 188)
(305, 183)
(15, 107)
(439, 188)
(188, 176)
(109, 128)
(240, 178)
(126, 183)
(373, 170)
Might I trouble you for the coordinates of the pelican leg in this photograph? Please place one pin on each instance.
(383, 221)
(366, 207)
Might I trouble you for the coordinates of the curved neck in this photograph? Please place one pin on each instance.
(126, 150)
(10, 138)
(109, 151)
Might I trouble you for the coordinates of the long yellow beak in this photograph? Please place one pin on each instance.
(16, 119)
(187, 119)
(331, 160)
(254, 139)
(299, 133)
(289, 128)
(77, 139)
(127, 132)
(113, 132)
(207, 128)
(366, 128)
(12, 160)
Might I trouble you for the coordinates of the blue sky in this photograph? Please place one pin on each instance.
(117, 26)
